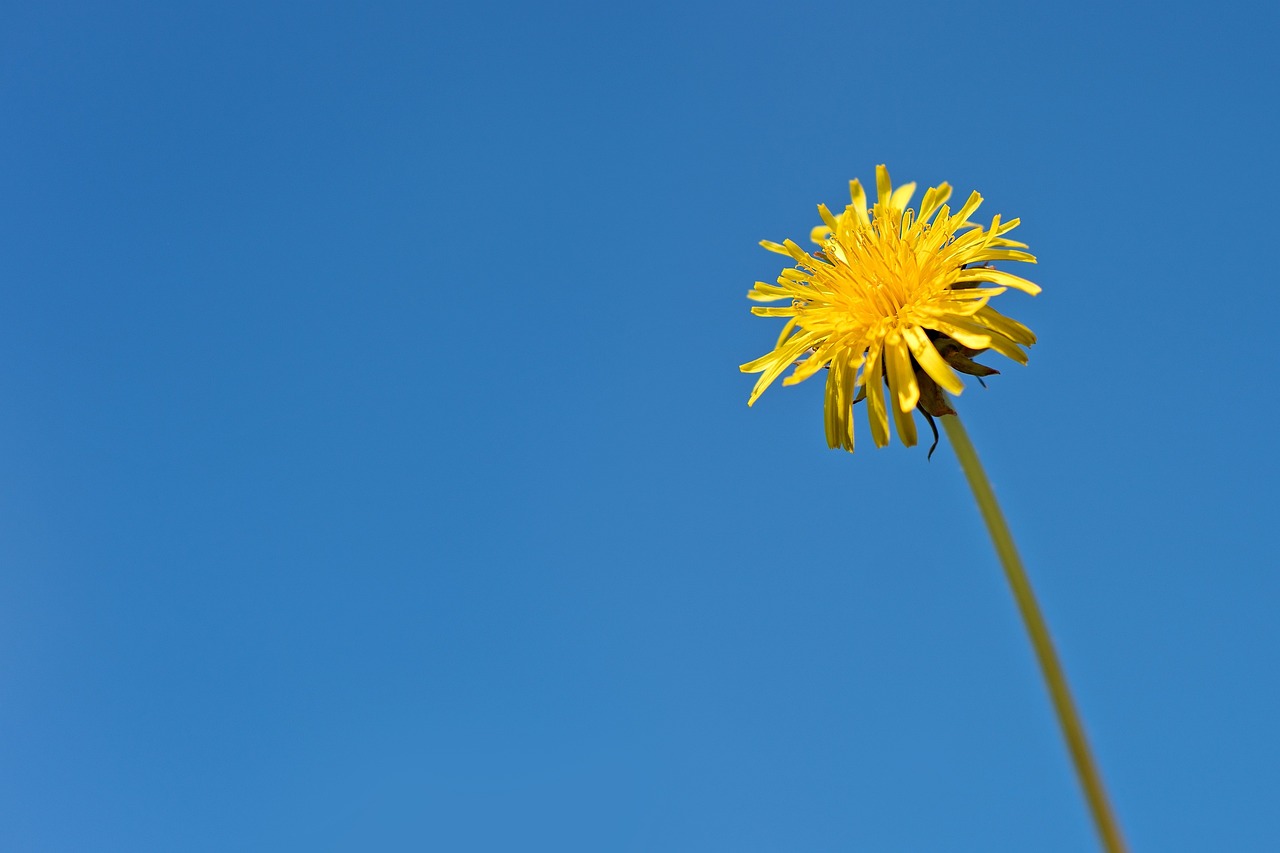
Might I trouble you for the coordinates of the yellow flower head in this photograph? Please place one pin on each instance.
(896, 298)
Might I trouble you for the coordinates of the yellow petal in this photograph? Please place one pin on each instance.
(800, 255)
(969, 207)
(1008, 348)
(827, 217)
(838, 404)
(777, 360)
(1006, 227)
(949, 303)
(884, 189)
(933, 199)
(1010, 328)
(859, 202)
(905, 423)
(873, 381)
(832, 406)
(786, 330)
(971, 333)
(767, 293)
(963, 330)
(902, 195)
(930, 361)
(1005, 255)
(1007, 279)
(823, 356)
(902, 378)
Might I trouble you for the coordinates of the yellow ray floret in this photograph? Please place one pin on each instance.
(895, 298)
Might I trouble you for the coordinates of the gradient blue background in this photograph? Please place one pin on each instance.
(376, 474)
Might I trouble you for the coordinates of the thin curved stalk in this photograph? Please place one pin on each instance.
(1038, 631)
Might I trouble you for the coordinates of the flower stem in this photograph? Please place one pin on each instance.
(1051, 669)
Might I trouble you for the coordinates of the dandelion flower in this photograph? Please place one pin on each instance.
(894, 297)
(898, 298)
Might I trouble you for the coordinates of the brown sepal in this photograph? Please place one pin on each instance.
(961, 357)
(932, 400)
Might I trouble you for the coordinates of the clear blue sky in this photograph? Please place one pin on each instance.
(376, 472)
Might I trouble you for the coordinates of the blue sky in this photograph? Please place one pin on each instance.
(375, 469)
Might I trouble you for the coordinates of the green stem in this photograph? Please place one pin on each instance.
(1055, 679)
